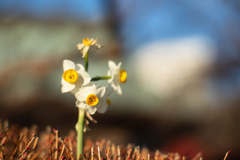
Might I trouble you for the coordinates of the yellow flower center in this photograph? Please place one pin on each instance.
(87, 42)
(108, 102)
(70, 76)
(123, 76)
(92, 100)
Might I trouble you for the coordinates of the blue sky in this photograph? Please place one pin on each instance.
(90, 10)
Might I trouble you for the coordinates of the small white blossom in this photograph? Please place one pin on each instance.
(84, 47)
(90, 97)
(74, 76)
(117, 76)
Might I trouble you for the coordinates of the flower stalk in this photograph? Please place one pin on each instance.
(80, 132)
(86, 62)
(100, 78)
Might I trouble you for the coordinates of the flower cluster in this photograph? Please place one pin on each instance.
(76, 80)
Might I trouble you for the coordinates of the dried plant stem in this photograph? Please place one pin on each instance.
(37, 153)
(92, 152)
(119, 153)
(33, 152)
(129, 154)
(226, 155)
(51, 152)
(35, 143)
(108, 152)
(70, 147)
(80, 132)
(1, 155)
(68, 152)
(56, 143)
(19, 143)
(30, 155)
(3, 140)
(113, 151)
(139, 156)
(62, 152)
(99, 155)
(26, 148)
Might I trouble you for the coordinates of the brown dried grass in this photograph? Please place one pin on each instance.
(24, 144)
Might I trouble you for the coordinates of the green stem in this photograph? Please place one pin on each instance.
(86, 62)
(80, 132)
(100, 78)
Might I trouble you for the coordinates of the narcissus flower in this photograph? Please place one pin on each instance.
(85, 45)
(90, 97)
(74, 76)
(118, 76)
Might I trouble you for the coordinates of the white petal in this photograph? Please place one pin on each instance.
(112, 65)
(80, 46)
(75, 90)
(67, 64)
(100, 102)
(67, 87)
(83, 78)
(94, 41)
(109, 90)
(102, 109)
(115, 81)
(79, 67)
(63, 82)
(90, 87)
(92, 110)
(82, 94)
(81, 105)
(119, 90)
(85, 50)
(109, 73)
(100, 91)
(114, 86)
(119, 65)
(109, 81)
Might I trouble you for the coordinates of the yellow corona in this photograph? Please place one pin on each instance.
(70, 76)
(87, 42)
(92, 100)
(123, 76)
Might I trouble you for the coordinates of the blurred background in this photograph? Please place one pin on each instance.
(182, 57)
